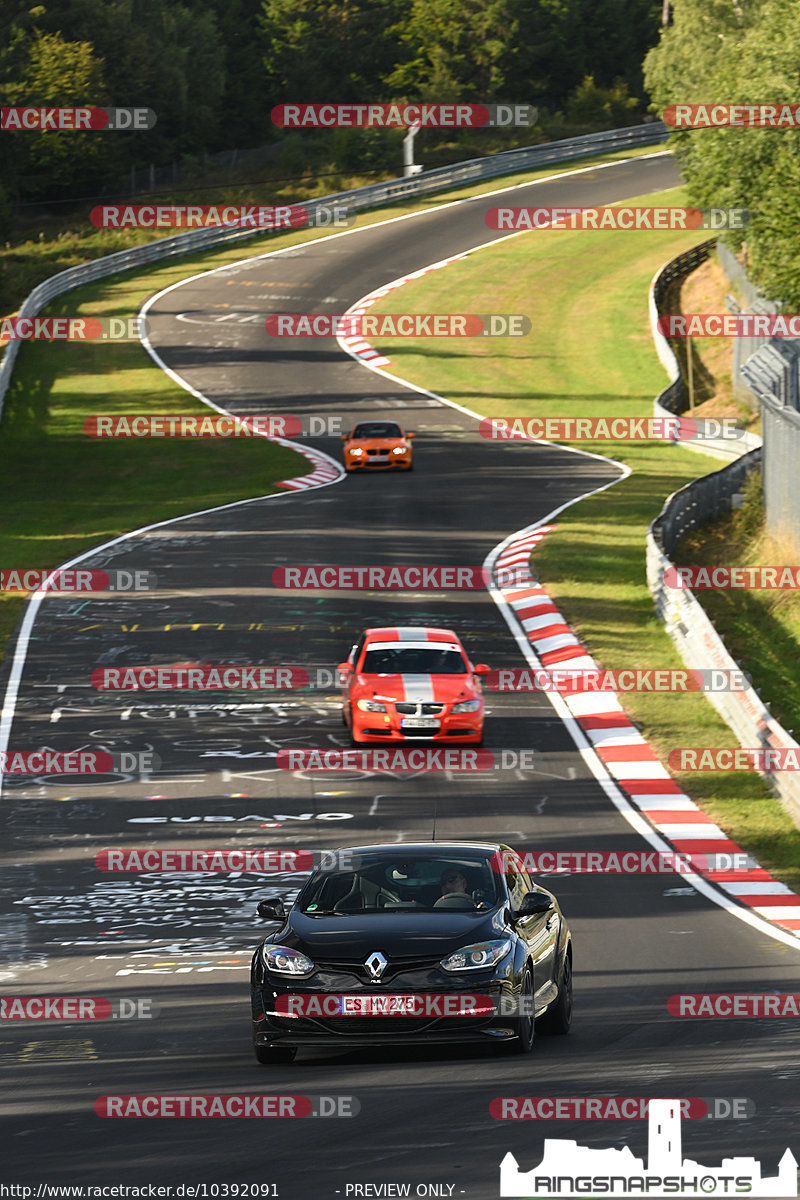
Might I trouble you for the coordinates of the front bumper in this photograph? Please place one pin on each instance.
(274, 1030)
(454, 728)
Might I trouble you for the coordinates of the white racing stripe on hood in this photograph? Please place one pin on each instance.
(418, 688)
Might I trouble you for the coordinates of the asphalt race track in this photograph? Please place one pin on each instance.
(183, 942)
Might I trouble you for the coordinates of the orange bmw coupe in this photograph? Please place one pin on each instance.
(374, 444)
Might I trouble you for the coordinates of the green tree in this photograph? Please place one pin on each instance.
(747, 53)
(55, 72)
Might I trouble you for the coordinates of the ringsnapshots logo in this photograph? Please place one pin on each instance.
(75, 119)
(78, 1008)
(567, 1169)
(607, 429)
(403, 116)
(73, 329)
(69, 580)
(233, 216)
(410, 325)
(617, 217)
(719, 116)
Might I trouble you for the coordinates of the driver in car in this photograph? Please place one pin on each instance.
(454, 883)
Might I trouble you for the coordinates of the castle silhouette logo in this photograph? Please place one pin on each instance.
(568, 1169)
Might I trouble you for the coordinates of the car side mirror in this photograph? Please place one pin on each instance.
(344, 667)
(271, 910)
(410, 435)
(481, 669)
(534, 904)
(345, 437)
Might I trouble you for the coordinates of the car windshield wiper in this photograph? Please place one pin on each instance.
(323, 912)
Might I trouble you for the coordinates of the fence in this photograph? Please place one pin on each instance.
(684, 618)
(744, 347)
(688, 625)
(371, 196)
(675, 398)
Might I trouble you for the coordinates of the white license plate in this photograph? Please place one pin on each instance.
(419, 723)
(379, 457)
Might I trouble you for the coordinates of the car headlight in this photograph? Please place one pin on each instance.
(478, 956)
(467, 706)
(355, 451)
(370, 706)
(285, 961)
(399, 449)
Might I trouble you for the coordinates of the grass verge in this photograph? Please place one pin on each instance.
(591, 354)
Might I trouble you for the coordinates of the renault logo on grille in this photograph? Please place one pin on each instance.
(376, 965)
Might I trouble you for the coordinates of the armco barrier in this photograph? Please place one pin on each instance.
(506, 163)
(685, 619)
(688, 625)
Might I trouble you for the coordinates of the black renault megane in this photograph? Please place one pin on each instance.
(412, 942)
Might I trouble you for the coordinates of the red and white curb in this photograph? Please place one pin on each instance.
(623, 752)
(358, 346)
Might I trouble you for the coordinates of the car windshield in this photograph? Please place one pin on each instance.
(377, 429)
(413, 660)
(380, 883)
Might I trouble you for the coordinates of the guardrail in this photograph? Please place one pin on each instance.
(674, 398)
(685, 620)
(689, 626)
(373, 195)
